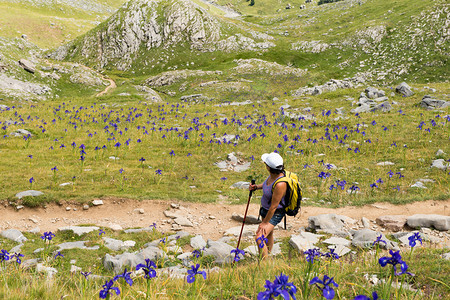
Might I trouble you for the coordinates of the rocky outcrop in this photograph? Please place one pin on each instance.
(140, 26)
(431, 103)
(329, 86)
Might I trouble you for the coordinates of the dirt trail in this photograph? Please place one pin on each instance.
(112, 85)
(210, 220)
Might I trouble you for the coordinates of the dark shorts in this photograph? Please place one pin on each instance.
(277, 216)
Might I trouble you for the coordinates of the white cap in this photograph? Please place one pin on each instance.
(273, 160)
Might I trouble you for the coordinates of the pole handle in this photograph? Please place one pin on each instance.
(253, 182)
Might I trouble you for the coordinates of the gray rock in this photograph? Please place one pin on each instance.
(118, 262)
(16, 249)
(79, 230)
(231, 157)
(383, 107)
(446, 256)
(183, 221)
(29, 193)
(197, 242)
(27, 65)
(365, 222)
(385, 163)
(300, 243)
(242, 167)
(117, 245)
(249, 219)
(75, 270)
(178, 235)
(220, 251)
(440, 152)
(325, 221)
(40, 268)
(440, 164)
(361, 109)
(252, 250)
(340, 249)
(438, 222)
(418, 184)
(244, 185)
(430, 103)
(404, 89)
(392, 222)
(13, 235)
(248, 231)
(337, 241)
(29, 263)
(20, 133)
(76, 245)
(138, 230)
(405, 239)
(172, 272)
(97, 202)
(364, 238)
(35, 230)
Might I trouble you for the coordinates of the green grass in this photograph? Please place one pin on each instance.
(245, 278)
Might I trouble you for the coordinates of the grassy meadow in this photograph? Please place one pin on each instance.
(122, 145)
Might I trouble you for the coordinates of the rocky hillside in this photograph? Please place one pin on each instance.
(140, 26)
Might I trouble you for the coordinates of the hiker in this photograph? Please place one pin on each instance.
(272, 211)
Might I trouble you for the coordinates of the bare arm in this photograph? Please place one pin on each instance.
(278, 193)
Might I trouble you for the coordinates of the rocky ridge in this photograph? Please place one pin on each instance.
(140, 26)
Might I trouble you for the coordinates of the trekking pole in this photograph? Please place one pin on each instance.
(245, 216)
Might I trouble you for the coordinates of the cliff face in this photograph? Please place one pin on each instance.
(142, 25)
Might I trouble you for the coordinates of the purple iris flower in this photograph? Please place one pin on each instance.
(394, 260)
(48, 236)
(237, 252)
(126, 276)
(193, 272)
(413, 238)
(108, 288)
(325, 286)
(261, 241)
(149, 268)
(363, 297)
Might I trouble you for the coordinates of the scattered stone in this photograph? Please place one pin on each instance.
(79, 230)
(13, 235)
(446, 256)
(16, 249)
(249, 219)
(76, 245)
(75, 270)
(115, 227)
(440, 152)
(117, 245)
(29, 193)
(325, 221)
(35, 230)
(418, 184)
(27, 65)
(29, 263)
(248, 231)
(404, 89)
(197, 242)
(138, 230)
(438, 222)
(392, 222)
(337, 241)
(139, 210)
(97, 202)
(300, 243)
(40, 268)
(244, 185)
(183, 221)
(385, 163)
(220, 251)
(429, 102)
(365, 222)
(440, 164)
(364, 238)
(66, 184)
(340, 249)
(118, 262)
(85, 207)
(233, 163)
(68, 208)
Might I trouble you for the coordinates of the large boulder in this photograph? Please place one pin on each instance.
(29, 193)
(220, 251)
(438, 222)
(27, 65)
(430, 103)
(364, 238)
(13, 235)
(118, 262)
(79, 230)
(326, 221)
(392, 222)
(404, 89)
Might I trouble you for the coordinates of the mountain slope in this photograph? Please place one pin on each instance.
(140, 26)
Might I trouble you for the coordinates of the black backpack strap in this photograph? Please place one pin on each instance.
(285, 226)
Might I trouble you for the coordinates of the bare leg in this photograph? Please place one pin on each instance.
(267, 247)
